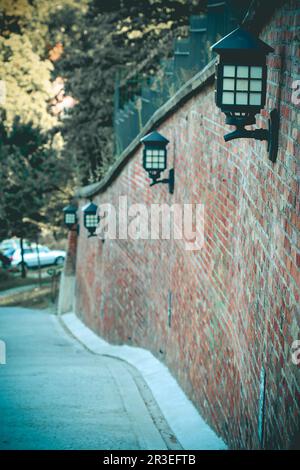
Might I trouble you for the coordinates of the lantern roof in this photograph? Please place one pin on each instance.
(154, 138)
(90, 208)
(70, 208)
(241, 40)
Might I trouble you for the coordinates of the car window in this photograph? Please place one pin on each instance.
(27, 251)
(9, 252)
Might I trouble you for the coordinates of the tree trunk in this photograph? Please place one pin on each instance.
(39, 261)
(23, 272)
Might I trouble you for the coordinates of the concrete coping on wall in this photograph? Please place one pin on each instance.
(189, 89)
(192, 432)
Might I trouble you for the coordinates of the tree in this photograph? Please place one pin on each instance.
(127, 35)
(86, 43)
(32, 171)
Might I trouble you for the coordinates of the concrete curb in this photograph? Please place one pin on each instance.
(189, 428)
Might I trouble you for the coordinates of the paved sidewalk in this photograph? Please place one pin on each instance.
(55, 394)
(189, 428)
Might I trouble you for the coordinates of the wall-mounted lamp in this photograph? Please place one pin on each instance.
(90, 218)
(241, 86)
(155, 159)
(70, 217)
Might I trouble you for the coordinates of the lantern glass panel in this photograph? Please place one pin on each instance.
(228, 84)
(228, 98)
(242, 85)
(242, 71)
(255, 99)
(241, 98)
(256, 72)
(91, 220)
(155, 159)
(229, 71)
(70, 218)
(255, 85)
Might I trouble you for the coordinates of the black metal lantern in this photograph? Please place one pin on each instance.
(70, 216)
(155, 159)
(241, 86)
(90, 218)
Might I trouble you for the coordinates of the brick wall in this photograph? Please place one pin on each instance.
(70, 264)
(235, 303)
(67, 280)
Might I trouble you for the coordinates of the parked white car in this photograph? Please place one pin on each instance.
(31, 257)
(12, 244)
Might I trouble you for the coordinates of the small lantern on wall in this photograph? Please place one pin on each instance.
(241, 86)
(90, 218)
(155, 159)
(70, 216)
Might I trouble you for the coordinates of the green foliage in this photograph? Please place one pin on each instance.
(33, 18)
(126, 36)
(31, 168)
(40, 156)
(30, 171)
(28, 83)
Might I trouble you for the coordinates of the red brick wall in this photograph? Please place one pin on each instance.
(235, 303)
(70, 264)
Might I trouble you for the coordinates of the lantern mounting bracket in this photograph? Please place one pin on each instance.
(270, 135)
(170, 181)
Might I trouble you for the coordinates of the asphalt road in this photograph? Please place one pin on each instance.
(55, 394)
